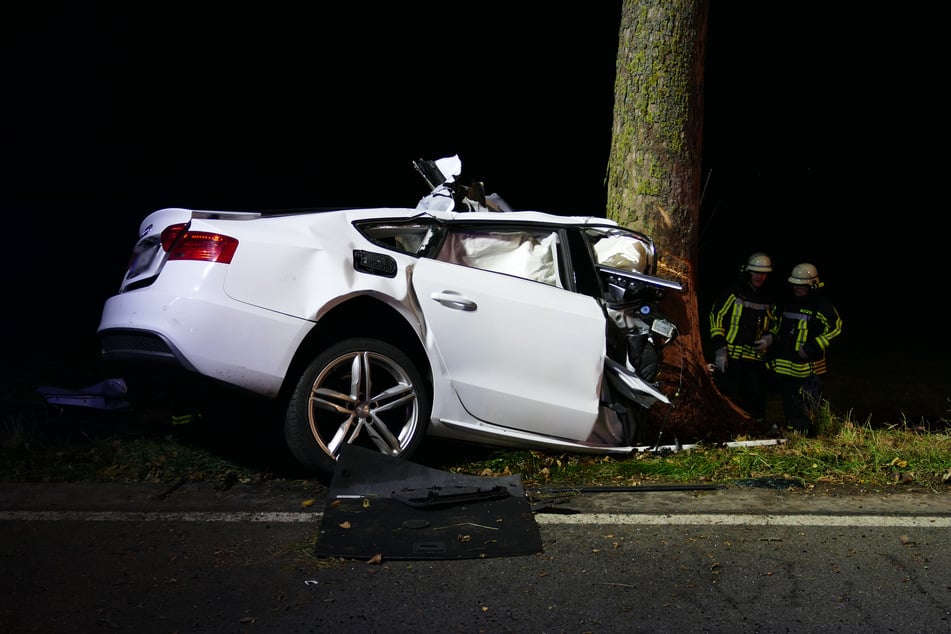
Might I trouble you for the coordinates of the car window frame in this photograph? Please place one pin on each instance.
(384, 233)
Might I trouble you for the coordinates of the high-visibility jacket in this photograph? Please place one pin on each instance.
(739, 317)
(808, 324)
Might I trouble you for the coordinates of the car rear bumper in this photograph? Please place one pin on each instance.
(236, 343)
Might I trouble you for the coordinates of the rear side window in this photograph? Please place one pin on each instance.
(414, 238)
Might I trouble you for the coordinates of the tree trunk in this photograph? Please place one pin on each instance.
(654, 173)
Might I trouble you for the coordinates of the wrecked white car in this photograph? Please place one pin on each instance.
(459, 317)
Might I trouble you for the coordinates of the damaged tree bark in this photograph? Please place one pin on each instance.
(653, 185)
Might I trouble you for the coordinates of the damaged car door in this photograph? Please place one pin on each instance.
(520, 351)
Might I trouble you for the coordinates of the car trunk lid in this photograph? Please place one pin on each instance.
(164, 235)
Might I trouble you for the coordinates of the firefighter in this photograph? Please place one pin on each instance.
(808, 324)
(741, 320)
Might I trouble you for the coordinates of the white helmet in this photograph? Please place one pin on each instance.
(759, 262)
(805, 274)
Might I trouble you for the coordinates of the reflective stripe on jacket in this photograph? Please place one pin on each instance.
(810, 324)
(738, 319)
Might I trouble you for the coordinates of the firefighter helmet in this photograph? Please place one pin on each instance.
(759, 263)
(805, 274)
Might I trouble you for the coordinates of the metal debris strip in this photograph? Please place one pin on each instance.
(666, 449)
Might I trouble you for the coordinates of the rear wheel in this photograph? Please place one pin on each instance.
(359, 391)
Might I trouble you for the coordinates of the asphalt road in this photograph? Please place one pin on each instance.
(149, 558)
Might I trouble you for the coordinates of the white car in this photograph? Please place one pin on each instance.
(458, 317)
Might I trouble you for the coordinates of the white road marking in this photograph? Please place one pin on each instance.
(730, 519)
(704, 519)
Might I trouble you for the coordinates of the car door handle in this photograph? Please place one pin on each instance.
(451, 299)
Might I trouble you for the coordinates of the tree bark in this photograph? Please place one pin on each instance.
(653, 185)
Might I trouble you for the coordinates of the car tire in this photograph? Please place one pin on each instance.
(329, 408)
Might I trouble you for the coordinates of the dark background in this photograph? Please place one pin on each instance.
(822, 134)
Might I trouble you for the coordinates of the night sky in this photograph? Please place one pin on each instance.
(821, 132)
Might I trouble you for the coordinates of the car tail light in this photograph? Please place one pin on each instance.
(203, 246)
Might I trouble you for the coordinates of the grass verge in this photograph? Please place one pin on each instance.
(855, 456)
(41, 447)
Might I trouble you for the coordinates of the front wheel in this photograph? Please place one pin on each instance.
(359, 391)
